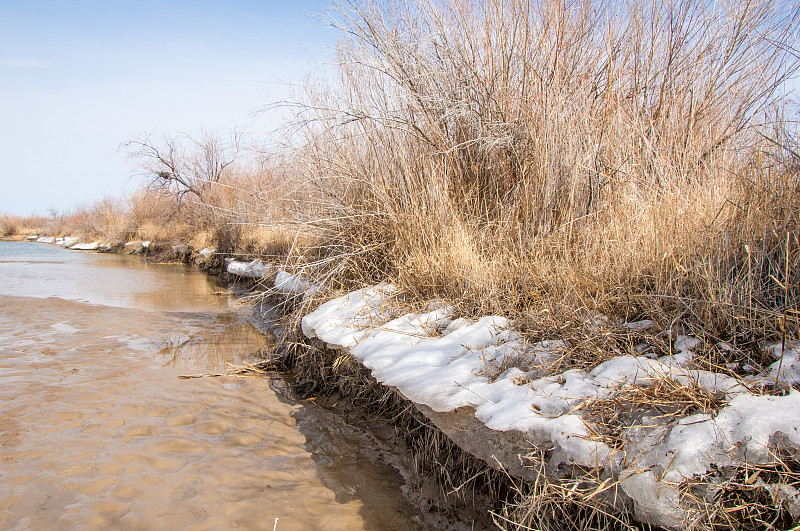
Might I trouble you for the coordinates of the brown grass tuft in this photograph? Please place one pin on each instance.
(662, 402)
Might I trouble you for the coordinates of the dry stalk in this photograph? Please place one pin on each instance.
(661, 403)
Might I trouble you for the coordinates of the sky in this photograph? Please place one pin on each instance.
(78, 79)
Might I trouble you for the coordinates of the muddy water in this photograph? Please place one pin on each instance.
(97, 430)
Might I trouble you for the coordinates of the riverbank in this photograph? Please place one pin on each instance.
(482, 414)
(426, 459)
(571, 229)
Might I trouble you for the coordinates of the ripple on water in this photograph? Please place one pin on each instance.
(97, 434)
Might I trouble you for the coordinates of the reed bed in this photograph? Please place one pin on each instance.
(565, 163)
(574, 165)
(547, 160)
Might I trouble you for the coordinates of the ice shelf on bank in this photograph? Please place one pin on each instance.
(254, 269)
(441, 363)
(285, 283)
(93, 246)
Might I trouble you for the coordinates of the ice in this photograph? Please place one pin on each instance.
(86, 246)
(46, 239)
(206, 252)
(254, 269)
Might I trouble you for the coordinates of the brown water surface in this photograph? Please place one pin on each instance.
(98, 432)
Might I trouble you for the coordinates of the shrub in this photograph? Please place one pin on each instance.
(553, 158)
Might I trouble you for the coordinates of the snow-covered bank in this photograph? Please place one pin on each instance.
(284, 283)
(440, 364)
(93, 246)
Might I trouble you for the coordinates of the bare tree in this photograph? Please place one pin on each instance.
(185, 164)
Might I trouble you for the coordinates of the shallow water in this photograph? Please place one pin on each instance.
(97, 431)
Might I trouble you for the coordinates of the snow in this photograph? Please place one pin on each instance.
(787, 368)
(746, 430)
(288, 284)
(206, 252)
(343, 321)
(254, 269)
(46, 239)
(285, 283)
(441, 362)
(69, 241)
(86, 246)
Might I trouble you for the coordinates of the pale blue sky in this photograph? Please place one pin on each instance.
(79, 78)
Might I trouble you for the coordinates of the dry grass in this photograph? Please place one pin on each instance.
(249, 209)
(662, 403)
(18, 227)
(215, 192)
(747, 498)
(551, 161)
(555, 159)
(584, 503)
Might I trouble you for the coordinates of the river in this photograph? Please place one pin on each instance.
(97, 430)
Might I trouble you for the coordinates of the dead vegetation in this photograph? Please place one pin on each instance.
(747, 498)
(659, 404)
(558, 161)
(442, 479)
(547, 160)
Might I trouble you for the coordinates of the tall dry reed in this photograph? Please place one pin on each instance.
(546, 159)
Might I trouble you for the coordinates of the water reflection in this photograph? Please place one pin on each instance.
(215, 349)
(40, 270)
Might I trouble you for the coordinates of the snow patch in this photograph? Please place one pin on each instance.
(254, 269)
(787, 368)
(86, 246)
(441, 362)
(288, 284)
